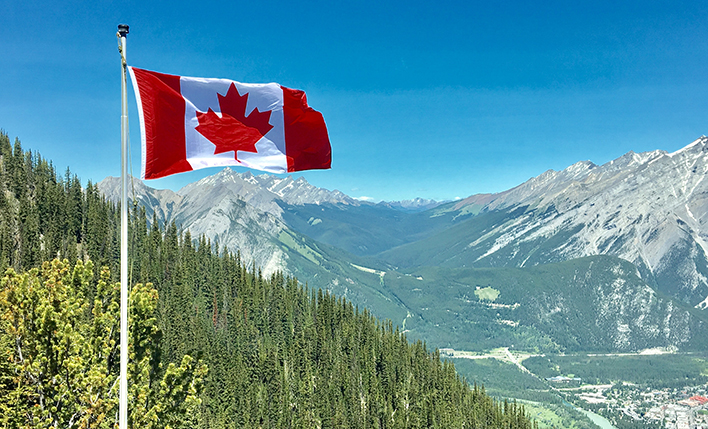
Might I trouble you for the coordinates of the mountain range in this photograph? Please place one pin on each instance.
(605, 257)
(649, 209)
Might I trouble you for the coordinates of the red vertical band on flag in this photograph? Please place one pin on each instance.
(306, 142)
(163, 110)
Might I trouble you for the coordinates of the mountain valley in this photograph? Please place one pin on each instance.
(590, 258)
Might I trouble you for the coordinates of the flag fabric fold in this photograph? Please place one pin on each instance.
(190, 123)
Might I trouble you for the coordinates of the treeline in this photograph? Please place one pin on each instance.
(278, 354)
(43, 216)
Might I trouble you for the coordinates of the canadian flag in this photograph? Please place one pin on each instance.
(189, 123)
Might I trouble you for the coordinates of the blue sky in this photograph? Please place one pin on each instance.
(422, 99)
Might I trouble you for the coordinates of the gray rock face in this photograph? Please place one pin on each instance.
(263, 190)
(236, 210)
(159, 202)
(649, 208)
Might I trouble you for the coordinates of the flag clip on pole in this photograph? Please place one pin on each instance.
(123, 404)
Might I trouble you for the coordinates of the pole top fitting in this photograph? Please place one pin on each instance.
(123, 30)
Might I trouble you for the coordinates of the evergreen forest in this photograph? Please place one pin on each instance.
(214, 343)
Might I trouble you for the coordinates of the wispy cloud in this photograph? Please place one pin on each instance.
(363, 198)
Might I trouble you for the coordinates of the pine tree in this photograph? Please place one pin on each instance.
(62, 351)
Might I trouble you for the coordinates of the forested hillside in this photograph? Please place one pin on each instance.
(278, 354)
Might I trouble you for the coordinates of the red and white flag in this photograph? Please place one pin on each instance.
(190, 123)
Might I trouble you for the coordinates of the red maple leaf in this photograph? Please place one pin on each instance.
(234, 130)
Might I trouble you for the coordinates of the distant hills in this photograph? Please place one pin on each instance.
(609, 257)
(414, 205)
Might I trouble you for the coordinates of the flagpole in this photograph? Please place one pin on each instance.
(123, 405)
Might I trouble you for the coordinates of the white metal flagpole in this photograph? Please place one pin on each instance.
(123, 407)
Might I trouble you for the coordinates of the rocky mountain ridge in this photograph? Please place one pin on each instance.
(260, 191)
(649, 208)
(414, 205)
